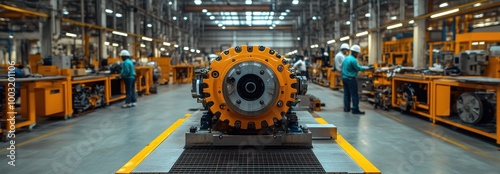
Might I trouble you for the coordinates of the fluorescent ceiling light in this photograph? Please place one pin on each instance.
(367, 15)
(411, 22)
(345, 1)
(143, 46)
(478, 15)
(11, 37)
(395, 26)
(204, 10)
(108, 11)
(192, 50)
(277, 22)
(149, 25)
(176, 46)
(223, 27)
(274, 25)
(475, 43)
(212, 17)
(282, 17)
(170, 3)
(295, 2)
(283, 13)
(147, 38)
(71, 34)
(344, 38)
(330, 41)
(234, 13)
(248, 2)
(271, 27)
(106, 43)
(394, 17)
(444, 13)
(166, 43)
(162, 49)
(287, 10)
(298, 38)
(362, 33)
(120, 33)
(186, 48)
(119, 15)
(217, 22)
(198, 51)
(220, 25)
(248, 13)
(174, 18)
(208, 13)
(443, 5)
(185, 18)
(348, 22)
(197, 2)
(477, 4)
(115, 44)
(314, 18)
(481, 43)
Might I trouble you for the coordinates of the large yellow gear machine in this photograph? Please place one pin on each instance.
(248, 90)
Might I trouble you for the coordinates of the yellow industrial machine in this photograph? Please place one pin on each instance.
(247, 89)
(398, 52)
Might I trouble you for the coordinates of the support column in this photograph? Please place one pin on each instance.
(337, 22)
(131, 40)
(101, 19)
(419, 43)
(50, 30)
(374, 48)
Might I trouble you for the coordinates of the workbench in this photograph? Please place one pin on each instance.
(145, 72)
(166, 154)
(109, 88)
(28, 105)
(177, 70)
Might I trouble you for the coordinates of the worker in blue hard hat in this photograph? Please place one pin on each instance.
(350, 69)
(128, 75)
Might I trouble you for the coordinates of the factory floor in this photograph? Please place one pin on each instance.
(103, 141)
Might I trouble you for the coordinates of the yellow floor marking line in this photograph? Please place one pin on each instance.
(41, 136)
(139, 157)
(366, 165)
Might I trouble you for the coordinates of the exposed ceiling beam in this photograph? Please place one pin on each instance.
(25, 12)
(285, 27)
(232, 8)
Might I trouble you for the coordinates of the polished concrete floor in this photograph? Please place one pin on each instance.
(102, 141)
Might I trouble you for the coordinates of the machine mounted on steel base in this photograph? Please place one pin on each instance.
(249, 92)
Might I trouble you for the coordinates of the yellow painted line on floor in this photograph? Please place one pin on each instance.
(446, 139)
(391, 116)
(365, 165)
(139, 157)
(41, 136)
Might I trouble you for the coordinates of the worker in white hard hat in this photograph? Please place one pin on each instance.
(350, 69)
(340, 56)
(128, 75)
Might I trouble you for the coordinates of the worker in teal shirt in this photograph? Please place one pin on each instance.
(128, 75)
(350, 69)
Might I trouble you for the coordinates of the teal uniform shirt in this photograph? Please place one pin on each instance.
(350, 67)
(128, 70)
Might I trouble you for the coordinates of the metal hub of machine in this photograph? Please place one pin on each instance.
(473, 108)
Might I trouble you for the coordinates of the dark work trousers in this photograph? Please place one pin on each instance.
(350, 92)
(130, 91)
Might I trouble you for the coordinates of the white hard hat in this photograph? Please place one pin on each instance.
(124, 53)
(344, 46)
(356, 48)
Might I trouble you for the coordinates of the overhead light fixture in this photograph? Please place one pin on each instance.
(208, 13)
(220, 25)
(106, 43)
(477, 4)
(444, 13)
(204, 10)
(223, 27)
(287, 10)
(11, 37)
(174, 18)
(394, 17)
(283, 13)
(248, 2)
(443, 5)
(143, 46)
(120, 33)
(108, 11)
(475, 43)
(192, 50)
(162, 49)
(118, 15)
(170, 3)
(478, 15)
(282, 17)
(65, 12)
(198, 51)
(345, 1)
(348, 22)
(149, 25)
(315, 46)
(186, 48)
(295, 2)
(411, 22)
(114, 44)
(197, 2)
(166, 44)
(367, 15)
(395, 26)
(176, 46)
(185, 18)
(271, 27)
(147, 38)
(212, 17)
(330, 41)
(481, 43)
(430, 28)
(362, 33)
(274, 25)
(344, 38)
(314, 18)
(71, 34)
(298, 38)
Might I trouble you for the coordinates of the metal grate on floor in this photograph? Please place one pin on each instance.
(249, 160)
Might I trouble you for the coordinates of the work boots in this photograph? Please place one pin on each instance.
(357, 111)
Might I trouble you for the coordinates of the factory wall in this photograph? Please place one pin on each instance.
(279, 40)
